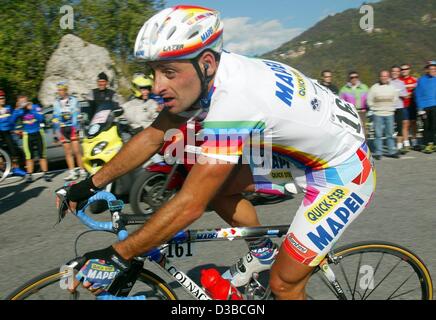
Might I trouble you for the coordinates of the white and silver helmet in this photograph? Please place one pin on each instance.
(180, 32)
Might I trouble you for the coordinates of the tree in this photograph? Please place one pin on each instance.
(30, 31)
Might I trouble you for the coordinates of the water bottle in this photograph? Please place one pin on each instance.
(217, 287)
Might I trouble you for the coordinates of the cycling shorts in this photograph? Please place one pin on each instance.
(409, 113)
(34, 145)
(399, 117)
(11, 148)
(68, 134)
(334, 198)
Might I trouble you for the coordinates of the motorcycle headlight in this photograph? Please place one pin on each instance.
(99, 148)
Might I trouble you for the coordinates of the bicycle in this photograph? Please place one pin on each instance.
(5, 165)
(331, 279)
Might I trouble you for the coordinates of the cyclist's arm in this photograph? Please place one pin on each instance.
(138, 150)
(188, 205)
(56, 117)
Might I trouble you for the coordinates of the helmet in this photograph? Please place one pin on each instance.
(62, 85)
(430, 63)
(2, 93)
(180, 32)
(138, 82)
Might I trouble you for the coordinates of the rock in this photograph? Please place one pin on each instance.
(78, 63)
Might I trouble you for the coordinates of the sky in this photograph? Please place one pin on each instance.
(255, 27)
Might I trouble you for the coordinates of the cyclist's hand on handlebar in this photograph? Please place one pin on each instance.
(98, 269)
(69, 196)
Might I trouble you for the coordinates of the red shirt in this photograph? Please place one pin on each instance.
(410, 83)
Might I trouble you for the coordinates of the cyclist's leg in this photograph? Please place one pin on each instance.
(334, 198)
(42, 151)
(76, 147)
(27, 147)
(66, 143)
(229, 202)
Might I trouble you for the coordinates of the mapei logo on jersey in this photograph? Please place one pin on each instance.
(207, 34)
(325, 205)
(325, 233)
(173, 47)
(285, 84)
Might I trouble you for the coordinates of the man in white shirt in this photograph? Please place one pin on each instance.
(383, 99)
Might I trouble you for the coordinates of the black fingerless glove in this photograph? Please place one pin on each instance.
(82, 191)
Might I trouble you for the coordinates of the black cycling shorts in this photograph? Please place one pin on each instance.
(34, 145)
(68, 134)
(11, 148)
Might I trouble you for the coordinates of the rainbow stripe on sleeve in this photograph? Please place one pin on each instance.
(228, 137)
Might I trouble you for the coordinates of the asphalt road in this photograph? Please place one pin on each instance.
(402, 212)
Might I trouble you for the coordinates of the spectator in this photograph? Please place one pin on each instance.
(326, 81)
(426, 102)
(382, 99)
(66, 111)
(409, 123)
(141, 111)
(102, 98)
(6, 134)
(33, 136)
(356, 92)
(400, 110)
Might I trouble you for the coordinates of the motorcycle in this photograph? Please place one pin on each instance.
(103, 139)
(161, 180)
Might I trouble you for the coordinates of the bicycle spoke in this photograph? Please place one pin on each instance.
(345, 276)
(389, 298)
(357, 274)
(392, 270)
(407, 292)
(373, 276)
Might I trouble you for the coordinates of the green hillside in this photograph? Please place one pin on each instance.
(404, 32)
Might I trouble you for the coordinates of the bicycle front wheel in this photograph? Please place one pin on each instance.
(374, 271)
(47, 287)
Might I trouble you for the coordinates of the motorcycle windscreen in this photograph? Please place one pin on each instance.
(99, 123)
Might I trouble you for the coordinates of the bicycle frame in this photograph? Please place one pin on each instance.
(120, 221)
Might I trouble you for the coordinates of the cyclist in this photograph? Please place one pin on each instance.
(409, 115)
(66, 111)
(101, 97)
(315, 135)
(141, 110)
(33, 136)
(6, 135)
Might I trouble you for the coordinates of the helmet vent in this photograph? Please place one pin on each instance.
(187, 17)
(171, 32)
(154, 33)
(195, 31)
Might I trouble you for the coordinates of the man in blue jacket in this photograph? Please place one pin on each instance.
(6, 135)
(425, 95)
(33, 135)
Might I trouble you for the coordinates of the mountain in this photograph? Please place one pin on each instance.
(404, 32)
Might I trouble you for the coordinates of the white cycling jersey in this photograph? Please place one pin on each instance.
(307, 123)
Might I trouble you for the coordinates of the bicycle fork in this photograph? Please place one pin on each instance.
(330, 276)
